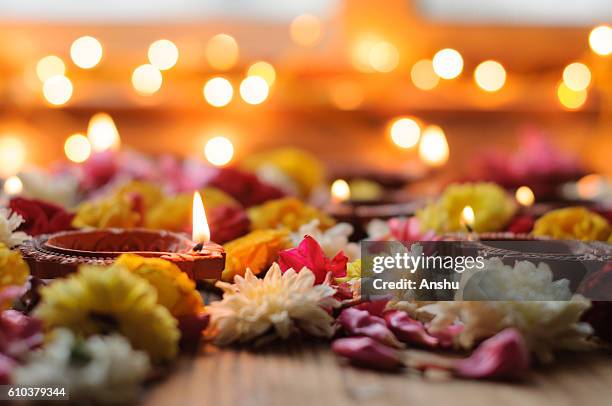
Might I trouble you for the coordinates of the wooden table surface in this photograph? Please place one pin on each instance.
(309, 374)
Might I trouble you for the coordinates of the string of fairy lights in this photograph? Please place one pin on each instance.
(222, 54)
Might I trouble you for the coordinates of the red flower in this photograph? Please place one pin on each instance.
(191, 327)
(521, 224)
(505, 355)
(245, 187)
(367, 352)
(310, 255)
(228, 223)
(41, 217)
(99, 169)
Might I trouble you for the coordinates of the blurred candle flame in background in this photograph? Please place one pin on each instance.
(222, 52)
(50, 66)
(57, 90)
(12, 155)
(13, 186)
(448, 63)
(524, 195)
(490, 76)
(433, 149)
(163, 54)
(340, 191)
(219, 151)
(306, 30)
(77, 148)
(147, 79)
(218, 92)
(405, 132)
(86, 52)
(102, 133)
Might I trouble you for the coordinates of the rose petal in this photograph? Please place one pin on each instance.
(309, 254)
(409, 330)
(505, 355)
(191, 327)
(365, 351)
(6, 366)
(360, 322)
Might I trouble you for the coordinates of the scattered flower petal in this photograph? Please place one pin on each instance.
(367, 352)
(310, 255)
(357, 322)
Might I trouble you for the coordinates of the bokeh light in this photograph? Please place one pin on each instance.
(346, 95)
(57, 90)
(405, 132)
(13, 186)
(263, 70)
(219, 151)
(50, 66)
(577, 76)
(102, 133)
(383, 57)
(447, 63)
(340, 191)
(147, 79)
(600, 40)
(12, 155)
(490, 76)
(306, 30)
(569, 98)
(423, 75)
(163, 54)
(218, 92)
(590, 186)
(254, 89)
(222, 51)
(524, 195)
(433, 148)
(77, 148)
(86, 52)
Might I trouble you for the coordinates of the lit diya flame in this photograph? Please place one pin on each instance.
(524, 195)
(340, 191)
(467, 218)
(102, 133)
(433, 149)
(201, 231)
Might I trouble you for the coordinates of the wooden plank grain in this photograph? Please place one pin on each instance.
(299, 374)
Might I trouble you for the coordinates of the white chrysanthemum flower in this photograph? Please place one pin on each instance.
(61, 190)
(546, 325)
(276, 306)
(104, 369)
(378, 229)
(523, 281)
(9, 222)
(332, 241)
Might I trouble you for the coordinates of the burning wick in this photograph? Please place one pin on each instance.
(201, 231)
(340, 191)
(467, 218)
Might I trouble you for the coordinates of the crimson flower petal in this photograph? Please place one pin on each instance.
(409, 330)
(309, 254)
(367, 352)
(505, 355)
(360, 322)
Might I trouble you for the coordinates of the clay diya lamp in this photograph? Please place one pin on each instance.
(359, 213)
(56, 255)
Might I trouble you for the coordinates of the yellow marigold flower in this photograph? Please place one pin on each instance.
(573, 223)
(353, 271)
(115, 211)
(288, 212)
(103, 301)
(151, 193)
(255, 251)
(175, 291)
(13, 270)
(174, 213)
(492, 206)
(302, 167)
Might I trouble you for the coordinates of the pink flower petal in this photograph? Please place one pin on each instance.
(409, 330)
(504, 355)
(6, 366)
(18, 333)
(360, 322)
(367, 352)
